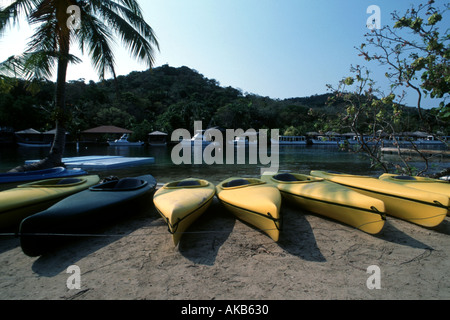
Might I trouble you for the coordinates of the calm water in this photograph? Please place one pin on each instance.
(301, 159)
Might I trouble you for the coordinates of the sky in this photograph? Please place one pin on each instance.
(275, 48)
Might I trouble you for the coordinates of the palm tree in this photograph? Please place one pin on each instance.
(60, 24)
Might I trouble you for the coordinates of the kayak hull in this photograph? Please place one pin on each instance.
(18, 203)
(416, 206)
(53, 173)
(421, 183)
(257, 204)
(181, 205)
(332, 201)
(82, 213)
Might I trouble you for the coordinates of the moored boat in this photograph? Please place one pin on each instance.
(182, 202)
(331, 200)
(123, 142)
(197, 140)
(52, 173)
(290, 140)
(83, 212)
(34, 144)
(326, 141)
(424, 208)
(253, 201)
(18, 203)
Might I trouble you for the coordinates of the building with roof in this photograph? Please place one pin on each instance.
(157, 138)
(103, 133)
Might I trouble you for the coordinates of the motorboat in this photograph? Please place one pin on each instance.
(325, 140)
(123, 142)
(431, 140)
(198, 139)
(34, 144)
(291, 140)
(245, 141)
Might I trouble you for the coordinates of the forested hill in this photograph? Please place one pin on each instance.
(164, 99)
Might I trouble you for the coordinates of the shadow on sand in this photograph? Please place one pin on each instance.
(207, 235)
(71, 250)
(297, 236)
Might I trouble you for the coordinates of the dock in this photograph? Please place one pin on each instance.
(426, 152)
(102, 162)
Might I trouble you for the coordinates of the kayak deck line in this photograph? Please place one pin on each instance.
(173, 227)
(435, 203)
(373, 209)
(276, 221)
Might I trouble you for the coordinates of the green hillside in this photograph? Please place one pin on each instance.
(167, 98)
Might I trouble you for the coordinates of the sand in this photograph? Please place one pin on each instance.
(222, 258)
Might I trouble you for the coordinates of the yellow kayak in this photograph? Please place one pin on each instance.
(331, 200)
(180, 203)
(422, 183)
(424, 208)
(253, 201)
(18, 203)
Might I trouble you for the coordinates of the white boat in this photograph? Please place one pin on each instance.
(368, 140)
(325, 140)
(290, 140)
(429, 140)
(34, 145)
(245, 141)
(157, 138)
(197, 139)
(123, 142)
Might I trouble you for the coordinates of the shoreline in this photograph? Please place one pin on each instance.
(221, 258)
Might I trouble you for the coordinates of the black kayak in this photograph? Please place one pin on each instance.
(84, 212)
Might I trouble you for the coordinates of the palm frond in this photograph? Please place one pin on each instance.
(12, 67)
(101, 19)
(36, 65)
(95, 40)
(134, 6)
(134, 32)
(10, 15)
(44, 37)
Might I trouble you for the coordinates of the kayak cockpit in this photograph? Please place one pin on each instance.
(240, 183)
(125, 184)
(405, 178)
(294, 178)
(187, 183)
(54, 183)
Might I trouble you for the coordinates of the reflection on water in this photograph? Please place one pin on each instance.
(300, 159)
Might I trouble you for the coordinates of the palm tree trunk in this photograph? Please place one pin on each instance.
(54, 159)
(59, 142)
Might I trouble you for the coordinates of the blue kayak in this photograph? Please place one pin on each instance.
(85, 212)
(53, 173)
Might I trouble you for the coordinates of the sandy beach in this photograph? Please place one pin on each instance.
(222, 258)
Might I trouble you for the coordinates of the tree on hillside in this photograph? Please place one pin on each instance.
(60, 24)
(415, 55)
